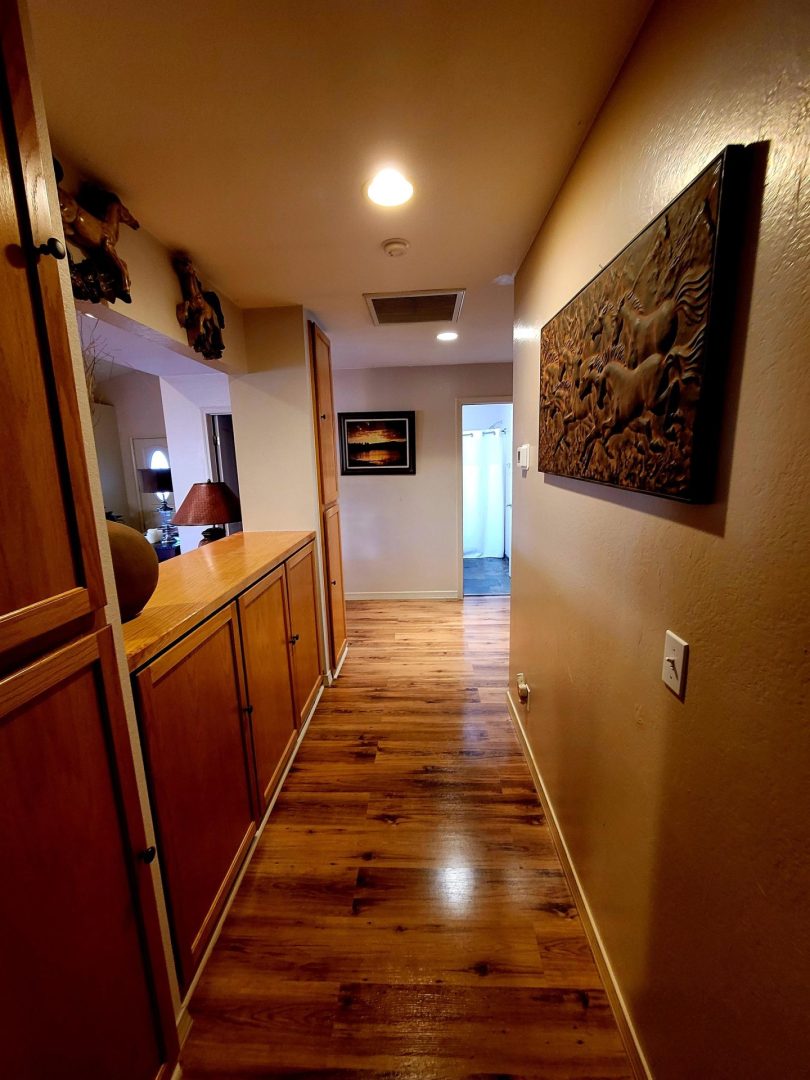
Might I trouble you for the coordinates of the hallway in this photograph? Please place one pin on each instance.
(405, 914)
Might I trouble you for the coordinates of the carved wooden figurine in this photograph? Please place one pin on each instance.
(200, 313)
(91, 221)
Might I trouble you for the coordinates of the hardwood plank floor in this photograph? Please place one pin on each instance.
(405, 914)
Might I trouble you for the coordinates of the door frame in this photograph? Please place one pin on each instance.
(488, 399)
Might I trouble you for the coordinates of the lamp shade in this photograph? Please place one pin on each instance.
(212, 503)
(154, 480)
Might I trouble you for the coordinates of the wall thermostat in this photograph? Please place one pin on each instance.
(523, 456)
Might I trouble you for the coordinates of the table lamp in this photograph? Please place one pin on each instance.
(159, 482)
(213, 504)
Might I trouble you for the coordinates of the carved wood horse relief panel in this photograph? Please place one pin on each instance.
(627, 366)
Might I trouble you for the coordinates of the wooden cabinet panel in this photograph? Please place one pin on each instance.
(336, 604)
(265, 627)
(324, 415)
(302, 591)
(45, 586)
(81, 994)
(197, 745)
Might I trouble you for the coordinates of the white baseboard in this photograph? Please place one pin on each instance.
(430, 594)
(641, 1068)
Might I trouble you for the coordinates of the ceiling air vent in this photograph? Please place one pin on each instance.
(432, 305)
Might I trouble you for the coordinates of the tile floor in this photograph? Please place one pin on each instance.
(486, 577)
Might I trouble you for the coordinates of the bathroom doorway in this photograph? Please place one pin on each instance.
(486, 457)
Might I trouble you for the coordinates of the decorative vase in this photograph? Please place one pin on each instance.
(135, 566)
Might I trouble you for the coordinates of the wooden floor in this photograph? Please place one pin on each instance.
(405, 914)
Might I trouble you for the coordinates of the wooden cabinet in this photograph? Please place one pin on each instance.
(197, 743)
(324, 415)
(326, 447)
(335, 603)
(83, 981)
(77, 911)
(265, 628)
(50, 571)
(305, 637)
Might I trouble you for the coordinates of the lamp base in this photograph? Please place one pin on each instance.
(216, 532)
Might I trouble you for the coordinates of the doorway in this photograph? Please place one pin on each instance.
(486, 456)
(222, 449)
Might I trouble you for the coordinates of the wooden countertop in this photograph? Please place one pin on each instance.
(192, 586)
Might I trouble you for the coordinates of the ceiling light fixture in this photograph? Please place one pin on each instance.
(447, 335)
(389, 188)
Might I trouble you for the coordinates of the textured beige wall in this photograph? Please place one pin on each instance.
(687, 823)
(401, 533)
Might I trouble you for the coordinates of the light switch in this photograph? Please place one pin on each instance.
(676, 655)
(523, 456)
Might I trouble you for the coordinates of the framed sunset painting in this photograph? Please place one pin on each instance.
(377, 443)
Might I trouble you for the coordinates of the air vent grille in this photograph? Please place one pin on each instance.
(436, 305)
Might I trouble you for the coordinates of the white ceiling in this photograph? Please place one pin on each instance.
(245, 133)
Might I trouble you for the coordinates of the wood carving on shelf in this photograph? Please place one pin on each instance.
(200, 313)
(91, 221)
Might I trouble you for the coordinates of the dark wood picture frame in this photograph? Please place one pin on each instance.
(375, 443)
(631, 368)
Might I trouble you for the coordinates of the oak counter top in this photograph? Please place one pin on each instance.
(193, 586)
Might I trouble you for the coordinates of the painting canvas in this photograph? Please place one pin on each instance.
(629, 369)
(377, 443)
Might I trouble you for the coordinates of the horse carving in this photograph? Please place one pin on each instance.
(200, 312)
(91, 222)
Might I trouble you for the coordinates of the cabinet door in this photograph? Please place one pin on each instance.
(336, 603)
(324, 415)
(44, 587)
(196, 738)
(265, 628)
(82, 979)
(305, 651)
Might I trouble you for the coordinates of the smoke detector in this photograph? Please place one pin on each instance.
(395, 247)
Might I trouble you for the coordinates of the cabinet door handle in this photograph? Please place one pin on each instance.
(334, 582)
(148, 856)
(52, 247)
(248, 710)
(323, 416)
(294, 638)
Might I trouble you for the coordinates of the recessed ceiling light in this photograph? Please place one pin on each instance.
(447, 335)
(87, 315)
(389, 188)
(504, 279)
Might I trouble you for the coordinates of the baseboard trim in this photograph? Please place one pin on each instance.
(430, 594)
(627, 1031)
(341, 661)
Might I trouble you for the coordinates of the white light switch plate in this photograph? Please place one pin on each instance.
(523, 456)
(676, 655)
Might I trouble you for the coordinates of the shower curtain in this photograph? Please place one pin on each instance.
(483, 494)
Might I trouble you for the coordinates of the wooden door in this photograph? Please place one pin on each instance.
(80, 995)
(265, 628)
(50, 573)
(336, 604)
(324, 415)
(305, 650)
(197, 746)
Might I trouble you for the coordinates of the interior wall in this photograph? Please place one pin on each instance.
(400, 533)
(273, 424)
(139, 415)
(686, 822)
(186, 401)
(110, 464)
